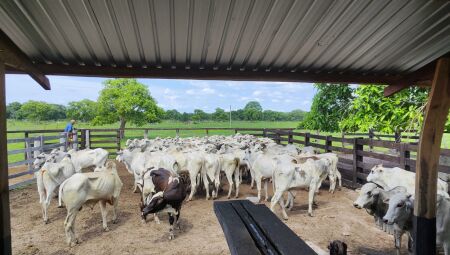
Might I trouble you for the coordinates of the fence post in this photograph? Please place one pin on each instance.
(343, 137)
(290, 137)
(404, 157)
(118, 138)
(87, 140)
(307, 138)
(371, 135)
(28, 154)
(398, 136)
(75, 140)
(356, 158)
(278, 137)
(207, 132)
(63, 140)
(146, 134)
(83, 139)
(26, 135)
(328, 143)
(178, 132)
(235, 131)
(264, 132)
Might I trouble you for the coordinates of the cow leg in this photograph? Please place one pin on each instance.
(290, 201)
(237, 180)
(47, 201)
(258, 187)
(266, 184)
(252, 180)
(69, 226)
(156, 218)
(193, 178)
(104, 214)
(206, 184)
(177, 220)
(116, 202)
(398, 241)
(339, 177)
(171, 220)
(311, 194)
(230, 182)
(277, 198)
(217, 184)
(332, 183)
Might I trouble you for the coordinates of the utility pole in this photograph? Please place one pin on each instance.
(230, 116)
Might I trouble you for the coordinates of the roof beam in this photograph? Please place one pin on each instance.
(14, 58)
(395, 88)
(197, 74)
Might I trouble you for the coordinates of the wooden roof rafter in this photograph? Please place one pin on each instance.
(15, 59)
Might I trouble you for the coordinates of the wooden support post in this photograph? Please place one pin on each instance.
(146, 134)
(264, 132)
(371, 135)
(428, 160)
(5, 221)
(307, 138)
(235, 131)
(290, 137)
(178, 132)
(63, 140)
(25, 136)
(207, 132)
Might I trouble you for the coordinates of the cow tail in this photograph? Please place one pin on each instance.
(60, 192)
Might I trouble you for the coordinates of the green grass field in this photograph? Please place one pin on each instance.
(27, 125)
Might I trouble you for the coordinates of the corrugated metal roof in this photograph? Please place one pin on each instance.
(343, 36)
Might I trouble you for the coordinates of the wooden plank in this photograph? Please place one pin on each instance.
(340, 149)
(428, 160)
(19, 163)
(376, 143)
(21, 140)
(20, 174)
(238, 238)
(316, 145)
(320, 137)
(105, 147)
(280, 235)
(5, 220)
(346, 161)
(395, 88)
(21, 184)
(381, 156)
(104, 141)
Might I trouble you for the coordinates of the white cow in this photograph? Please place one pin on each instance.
(229, 163)
(400, 212)
(88, 157)
(49, 177)
(211, 173)
(55, 156)
(88, 189)
(389, 178)
(289, 175)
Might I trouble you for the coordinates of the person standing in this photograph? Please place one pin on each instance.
(69, 129)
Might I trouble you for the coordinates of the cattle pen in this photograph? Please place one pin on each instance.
(357, 154)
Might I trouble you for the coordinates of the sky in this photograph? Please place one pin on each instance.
(182, 95)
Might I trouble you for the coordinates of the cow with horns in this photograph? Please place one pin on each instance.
(170, 192)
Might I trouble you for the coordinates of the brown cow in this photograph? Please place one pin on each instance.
(170, 194)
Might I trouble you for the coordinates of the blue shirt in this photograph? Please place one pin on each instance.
(69, 127)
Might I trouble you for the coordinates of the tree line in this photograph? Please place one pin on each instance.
(127, 100)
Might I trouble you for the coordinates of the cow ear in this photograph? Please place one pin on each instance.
(386, 200)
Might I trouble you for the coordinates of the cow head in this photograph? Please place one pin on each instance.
(376, 174)
(367, 196)
(39, 161)
(400, 209)
(154, 204)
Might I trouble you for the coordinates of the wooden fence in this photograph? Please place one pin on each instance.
(32, 146)
(358, 155)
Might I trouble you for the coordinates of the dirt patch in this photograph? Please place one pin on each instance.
(200, 234)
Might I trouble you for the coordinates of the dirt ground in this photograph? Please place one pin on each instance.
(335, 218)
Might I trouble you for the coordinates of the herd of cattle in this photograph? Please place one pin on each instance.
(166, 171)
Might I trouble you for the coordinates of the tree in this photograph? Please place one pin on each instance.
(199, 115)
(126, 100)
(370, 109)
(84, 110)
(296, 115)
(57, 112)
(220, 115)
(13, 110)
(35, 110)
(329, 107)
(253, 111)
(172, 115)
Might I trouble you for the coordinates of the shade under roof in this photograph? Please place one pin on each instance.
(291, 36)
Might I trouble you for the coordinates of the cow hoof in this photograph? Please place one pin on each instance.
(171, 236)
(311, 214)
(46, 221)
(178, 227)
(115, 221)
(314, 203)
(60, 206)
(106, 229)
